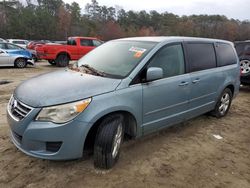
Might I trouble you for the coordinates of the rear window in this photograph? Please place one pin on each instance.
(71, 41)
(225, 54)
(201, 56)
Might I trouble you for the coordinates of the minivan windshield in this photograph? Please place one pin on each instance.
(115, 59)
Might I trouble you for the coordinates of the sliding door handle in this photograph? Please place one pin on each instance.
(183, 83)
(196, 80)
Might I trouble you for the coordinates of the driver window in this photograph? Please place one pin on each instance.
(170, 59)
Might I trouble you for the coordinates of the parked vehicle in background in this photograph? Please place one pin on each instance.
(243, 51)
(32, 44)
(19, 42)
(12, 55)
(60, 42)
(2, 40)
(127, 87)
(60, 55)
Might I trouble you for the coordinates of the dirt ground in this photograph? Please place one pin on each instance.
(186, 155)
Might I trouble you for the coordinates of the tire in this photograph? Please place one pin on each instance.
(62, 60)
(20, 63)
(223, 104)
(108, 140)
(245, 67)
(52, 62)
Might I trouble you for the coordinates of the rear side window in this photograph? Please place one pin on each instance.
(201, 56)
(2, 46)
(225, 54)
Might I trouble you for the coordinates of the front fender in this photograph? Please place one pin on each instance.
(128, 100)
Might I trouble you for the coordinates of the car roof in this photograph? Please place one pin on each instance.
(242, 42)
(17, 40)
(91, 38)
(160, 39)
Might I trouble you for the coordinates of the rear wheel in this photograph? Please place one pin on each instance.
(108, 141)
(20, 63)
(62, 60)
(223, 104)
(245, 67)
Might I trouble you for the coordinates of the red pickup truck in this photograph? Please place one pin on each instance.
(60, 55)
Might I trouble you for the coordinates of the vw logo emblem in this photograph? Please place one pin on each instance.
(14, 104)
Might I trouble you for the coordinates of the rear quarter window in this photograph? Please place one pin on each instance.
(225, 54)
(201, 56)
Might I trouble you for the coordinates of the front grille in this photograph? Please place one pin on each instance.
(18, 110)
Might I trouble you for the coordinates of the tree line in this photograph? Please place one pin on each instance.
(56, 20)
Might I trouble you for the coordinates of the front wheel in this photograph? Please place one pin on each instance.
(223, 104)
(20, 63)
(108, 141)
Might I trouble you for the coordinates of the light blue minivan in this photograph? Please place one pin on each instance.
(125, 88)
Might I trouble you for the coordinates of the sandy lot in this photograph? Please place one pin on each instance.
(186, 155)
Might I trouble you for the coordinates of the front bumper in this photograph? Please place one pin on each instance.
(48, 140)
(31, 61)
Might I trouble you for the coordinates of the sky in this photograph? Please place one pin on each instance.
(237, 9)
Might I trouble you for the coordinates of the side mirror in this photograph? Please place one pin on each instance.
(154, 73)
(1, 52)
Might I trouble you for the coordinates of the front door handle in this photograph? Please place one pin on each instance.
(196, 80)
(183, 83)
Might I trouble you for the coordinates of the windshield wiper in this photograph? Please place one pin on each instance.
(93, 70)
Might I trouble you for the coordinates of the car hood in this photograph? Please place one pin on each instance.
(62, 87)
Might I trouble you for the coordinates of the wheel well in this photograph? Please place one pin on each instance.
(130, 129)
(231, 87)
(63, 53)
(21, 58)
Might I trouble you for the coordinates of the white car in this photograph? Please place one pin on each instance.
(19, 42)
(2, 40)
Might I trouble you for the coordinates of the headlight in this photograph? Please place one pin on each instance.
(63, 113)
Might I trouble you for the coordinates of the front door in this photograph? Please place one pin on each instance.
(4, 58)
(165, 101)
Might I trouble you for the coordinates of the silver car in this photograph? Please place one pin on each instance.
(12, 55)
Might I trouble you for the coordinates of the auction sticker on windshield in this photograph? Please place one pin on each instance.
(138, 51)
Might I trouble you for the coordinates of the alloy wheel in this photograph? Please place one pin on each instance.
(117, 141)
(245, 66)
